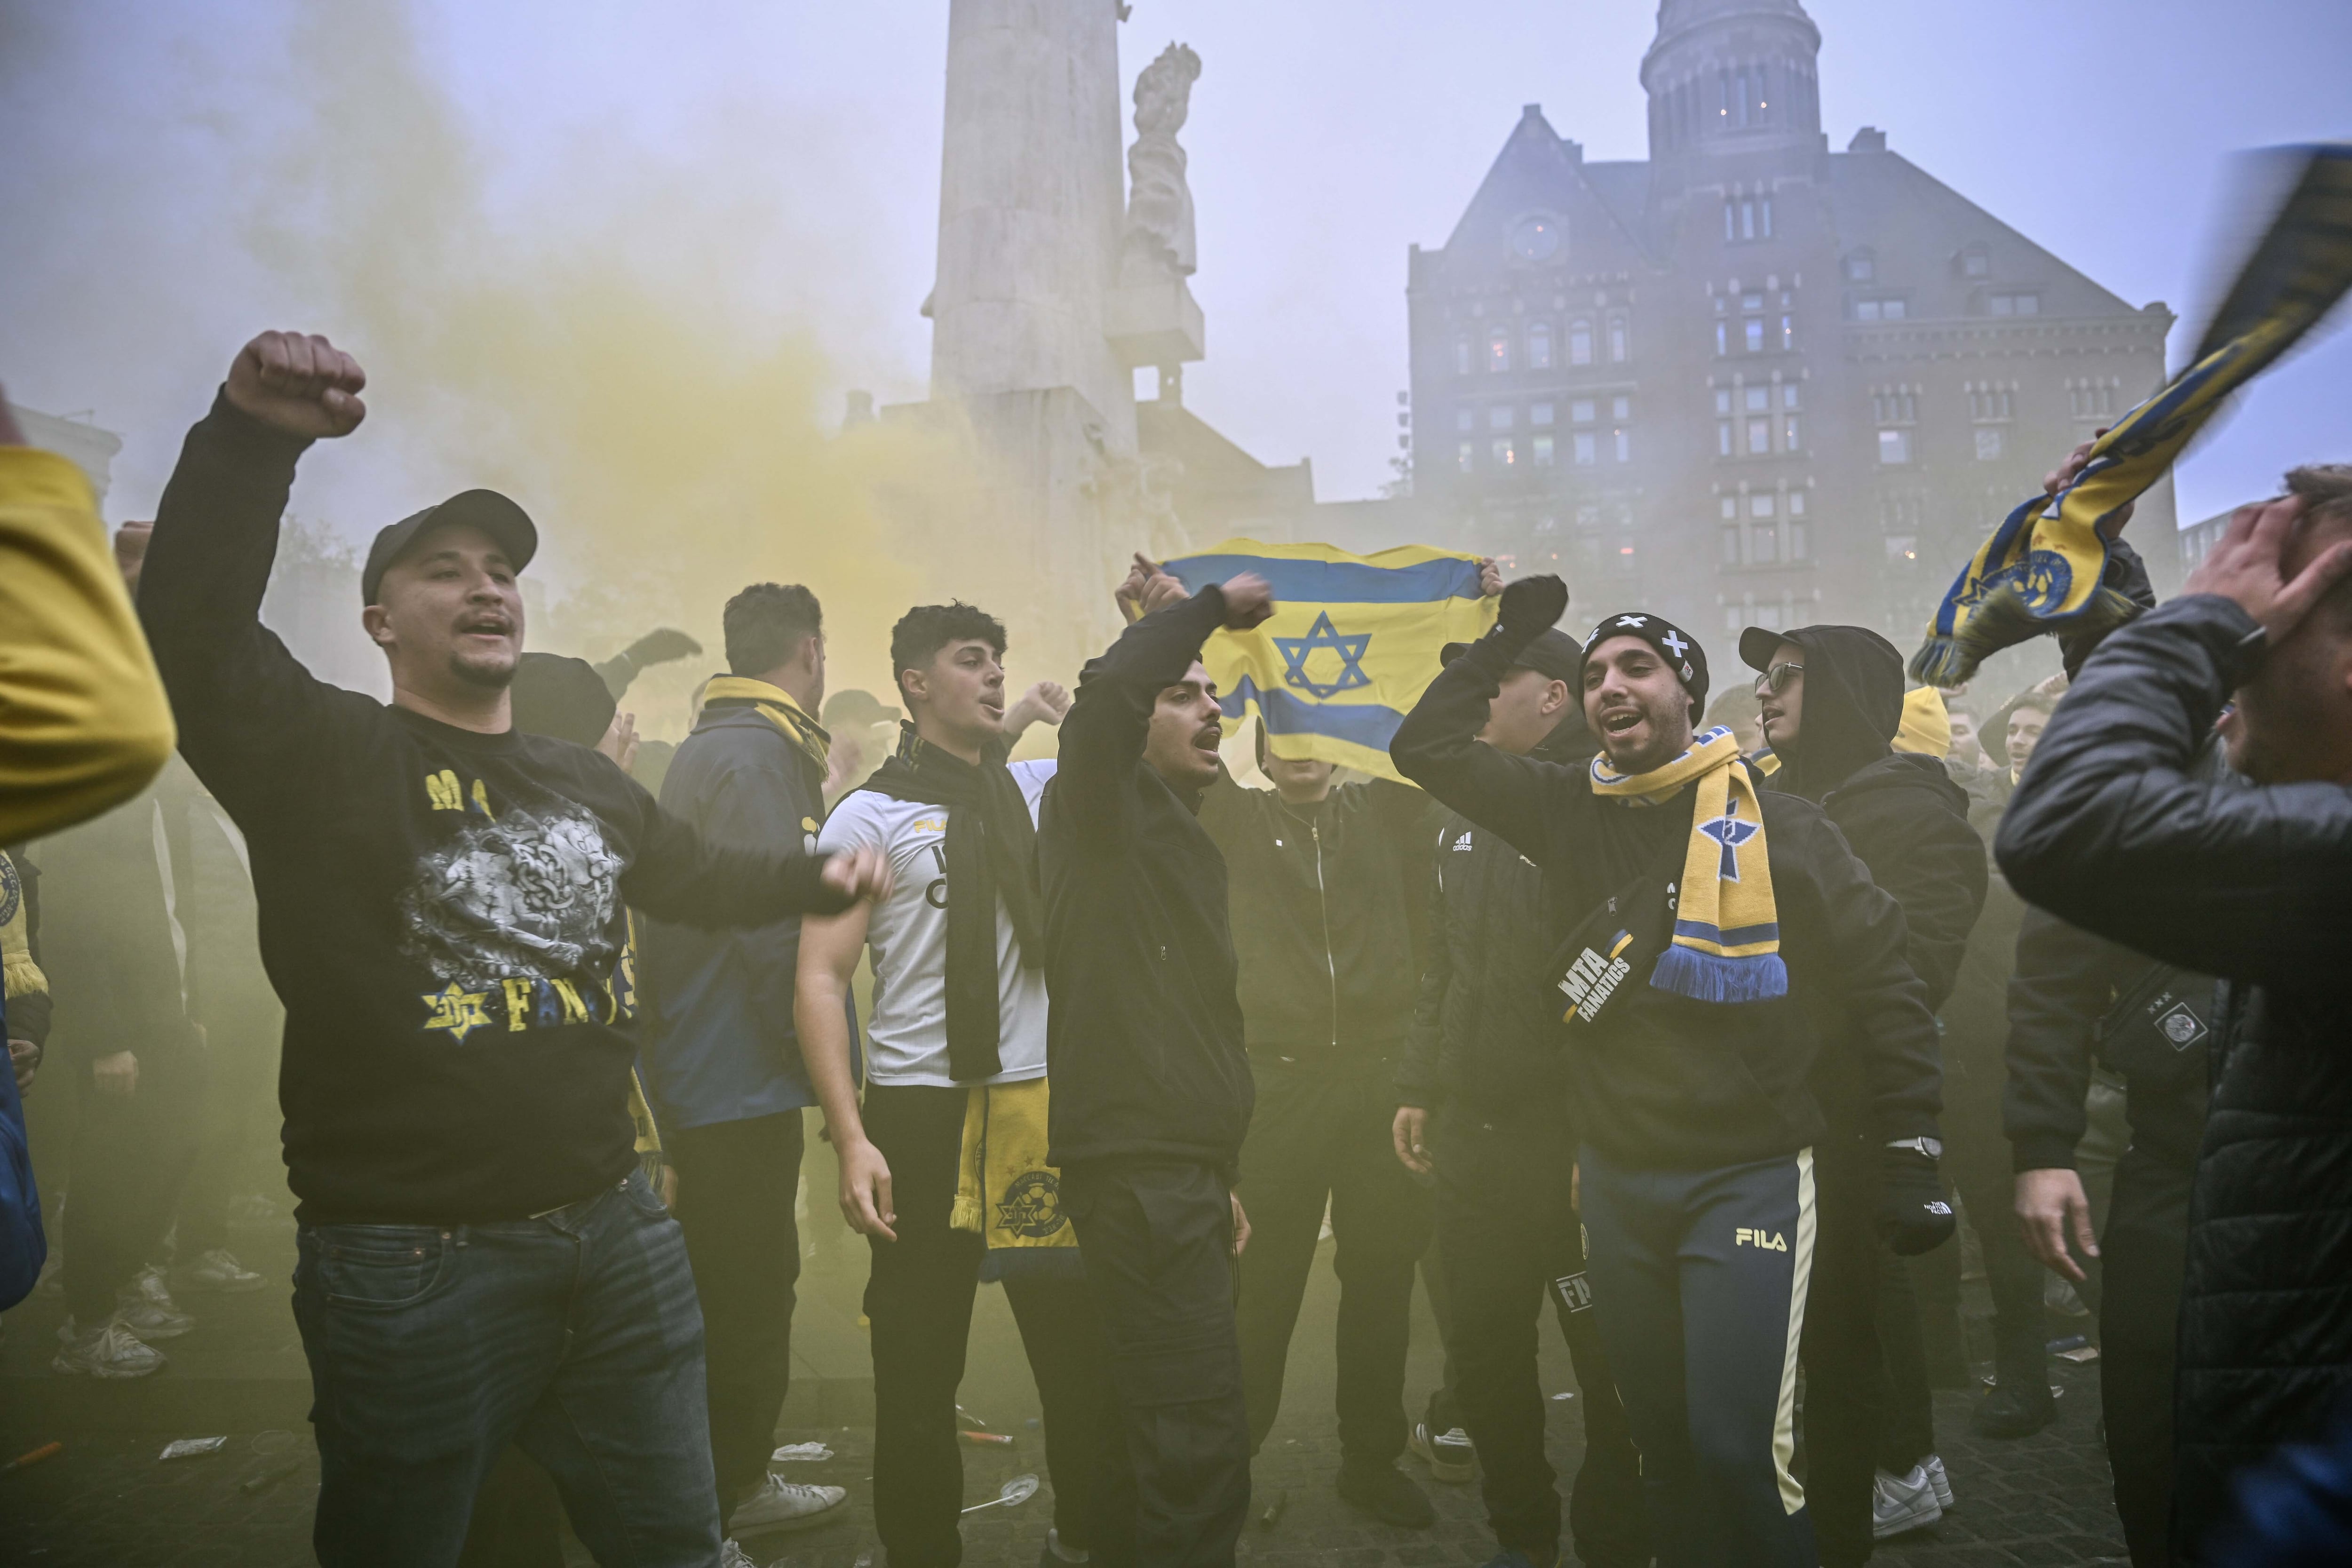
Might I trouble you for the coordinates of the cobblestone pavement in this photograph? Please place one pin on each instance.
(109, 1500)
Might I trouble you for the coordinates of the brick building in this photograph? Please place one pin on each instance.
(1749, 381)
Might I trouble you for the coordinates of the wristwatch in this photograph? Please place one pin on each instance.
(1931, 1147)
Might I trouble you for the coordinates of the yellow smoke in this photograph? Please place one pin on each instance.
(616, 364)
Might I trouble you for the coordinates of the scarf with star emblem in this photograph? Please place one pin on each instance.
(1727, 944)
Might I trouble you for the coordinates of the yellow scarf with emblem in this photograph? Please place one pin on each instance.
(1726, 942)
(1004, 1189)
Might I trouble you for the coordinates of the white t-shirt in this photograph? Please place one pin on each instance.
(907, 1038)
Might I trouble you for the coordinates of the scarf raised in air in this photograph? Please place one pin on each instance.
(1727, 944)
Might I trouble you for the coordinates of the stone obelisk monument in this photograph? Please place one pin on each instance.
(1047, 300)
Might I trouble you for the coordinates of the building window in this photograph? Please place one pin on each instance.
(1731, 547)
(1466, 456)
(1758, 399)
(1539, 346)
(2013, 304)
(1584, 448)
(1788, 332)
(1621, 342)
(1894, 446)
(1498, 351)
(1734, 616)
(1798, 544)
(1761, 504)
(1624, 445)
(1759, 435)
(1746, 219)
(1624, 561)
(1461, 356)
(1587, 517)
(1755, 328)
(1987, 444)
(1899, 406)
(1789, 395)
(1880, 309)
(1790, 440)
(1579, 342)
(1466, 419)
(1768, 617)
(1580, 411)
(1498, 418)
(1620, 408)
(1975, 262)
(1861, 266)
(1763, 541)
(1903, 548)
(1730, 508)
(1796, 503)
(1723, 438)
(1723, 400)
(1730, 221)
(1542, 452)
(1722, 340)
(1540, 413)
(1503, 454)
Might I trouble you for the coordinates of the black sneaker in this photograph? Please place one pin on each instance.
(1388, 1494)
(2015, 1410)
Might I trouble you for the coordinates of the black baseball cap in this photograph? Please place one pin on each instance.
(563, 697)
(1553, 654)
(491, 512)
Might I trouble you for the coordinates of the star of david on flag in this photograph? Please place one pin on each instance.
(1353, 642)
(1732, 832)
(1324, 635)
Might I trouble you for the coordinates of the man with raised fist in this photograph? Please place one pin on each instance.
(441, 909)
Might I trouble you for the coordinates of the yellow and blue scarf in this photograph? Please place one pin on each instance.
(1004, 1189)
(774, 704)
(1727, 944)
(2043, 567)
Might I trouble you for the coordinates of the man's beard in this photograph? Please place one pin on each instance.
(489, 678)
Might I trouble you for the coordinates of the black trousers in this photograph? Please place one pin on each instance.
(1322, 1133)
(1907, 1423)
(132, 1155)
(237, 1152)
(1507, 1235)
(2145, 1248)
(1158, 1242)
(1980, 1166)
(736, 1184)
(1845, 1376)
(919, 1298)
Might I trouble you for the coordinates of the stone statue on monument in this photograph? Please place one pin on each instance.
(1158, 240)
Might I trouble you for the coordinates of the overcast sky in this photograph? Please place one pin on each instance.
(788, 156)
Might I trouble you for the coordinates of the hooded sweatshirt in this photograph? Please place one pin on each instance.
(1901, 813)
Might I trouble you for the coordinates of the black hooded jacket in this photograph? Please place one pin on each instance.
(1486, 1032)
(1902, 814)
(2111, 828)
(1681, 1084)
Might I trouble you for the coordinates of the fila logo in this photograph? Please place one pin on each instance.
(1772, 1242)
(1462, 845)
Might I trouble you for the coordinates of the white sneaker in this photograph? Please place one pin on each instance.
(1938, 1480)
(1899, 1503)
(733, 1556)
(52, 1281)
(779, 1504)
(218, 1269)
(1449, 1453)
(110, 1350)
(148, 1310)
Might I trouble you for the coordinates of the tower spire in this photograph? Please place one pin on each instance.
(1732, 76)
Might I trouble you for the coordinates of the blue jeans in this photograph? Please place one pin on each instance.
(575, 1335)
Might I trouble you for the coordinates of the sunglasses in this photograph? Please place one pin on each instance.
(1777, 678)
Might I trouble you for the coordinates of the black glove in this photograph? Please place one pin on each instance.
(1531, 607)
(661, 646)
(1913, 1216)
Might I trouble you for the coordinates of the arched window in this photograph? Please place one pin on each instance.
(1498, 350)
(1539, 345)
(1620, 345)
(1579, 341)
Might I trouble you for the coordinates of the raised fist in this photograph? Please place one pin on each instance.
(1531, 607)
(302, 385)
(1249, 600)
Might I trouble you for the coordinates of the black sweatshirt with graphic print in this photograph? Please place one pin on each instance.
(441, 910)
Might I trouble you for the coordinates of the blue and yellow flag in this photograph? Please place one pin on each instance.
(1352, 643)
(2042, 569)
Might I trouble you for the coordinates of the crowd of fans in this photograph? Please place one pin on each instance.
(1695, 1021)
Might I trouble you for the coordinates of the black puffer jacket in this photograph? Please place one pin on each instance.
(1485, 1033)
(2110, 829)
